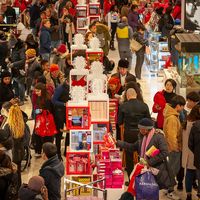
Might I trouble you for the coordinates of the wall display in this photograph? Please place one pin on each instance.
(191, 14)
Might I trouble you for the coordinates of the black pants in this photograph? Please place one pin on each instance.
(39, 141)
(113, 30)
(139, 62)
(130, 137)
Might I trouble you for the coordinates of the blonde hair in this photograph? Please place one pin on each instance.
(16, 121)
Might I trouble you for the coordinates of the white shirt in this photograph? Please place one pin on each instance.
(122, 78)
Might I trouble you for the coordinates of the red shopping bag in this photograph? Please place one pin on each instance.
(44, 124)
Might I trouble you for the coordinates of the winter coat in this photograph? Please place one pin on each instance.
(187, 155)
(54, 30)
(34, 15)
(124, 33)
(177, 12)
(194, 143)
(10, 15)
(140, 38)
(45, 41)
(52, 171)
(4, 51)
(61, 61)
(8, 177)
(51, 81)
(6, 93)
(18, 59)
(25, 193)
(133, 20)
(172, 129)
(166, 24)
(164, 178)
(131, 112)
(103, 29)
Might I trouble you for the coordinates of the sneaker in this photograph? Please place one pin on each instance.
(173, 196)
(37, 155)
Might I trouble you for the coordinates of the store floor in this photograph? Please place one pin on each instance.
(150, 84)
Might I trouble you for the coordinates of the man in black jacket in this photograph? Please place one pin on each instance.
(130, 113)
(59, 99)
(52, 171)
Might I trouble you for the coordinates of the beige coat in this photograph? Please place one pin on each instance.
(187, 155)
(172, 129)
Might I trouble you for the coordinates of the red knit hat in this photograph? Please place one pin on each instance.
(54, 67)
(62, 48)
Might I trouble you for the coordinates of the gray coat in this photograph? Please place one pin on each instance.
(164, 178)
(124, 43)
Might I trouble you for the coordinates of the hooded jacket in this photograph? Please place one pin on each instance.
(52, 171)
(45, 41)
(133, 20)
(194, 143)
(172, 129)
(124, 41)
(25, 193)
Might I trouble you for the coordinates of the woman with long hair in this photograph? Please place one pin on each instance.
(16, 126)
(43, 103)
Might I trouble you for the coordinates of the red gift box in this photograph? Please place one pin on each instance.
(108, 180)
(116, 164)
(114, 153)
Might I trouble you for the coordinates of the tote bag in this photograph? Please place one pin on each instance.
(134, 45)
(44, 124)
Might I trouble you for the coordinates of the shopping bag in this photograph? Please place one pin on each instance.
(44, 124)
(146, 187)
(135, 45)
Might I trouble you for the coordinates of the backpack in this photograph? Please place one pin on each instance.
(101, 38)
(12, 190)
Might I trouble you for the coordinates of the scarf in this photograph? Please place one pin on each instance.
(145, 142)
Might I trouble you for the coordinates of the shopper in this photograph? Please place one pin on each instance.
(123, 72)
(166, 22)
(32, 43)
(8, 178)
(124, 10)
(52, 171)
(149, 137)
(194, 146)
(161, 98)
(16, 127)
(113, 19)
(4, 51)
(114, 87)
(6, 92)
(172, 129)
(130, 113)
(133, 17)
(45, 40)
(35, 189)
(43, 102)
(187, 155)
(55, 77)
(60, 98)
(68, 67)
(124, 34)
(17, 64)
(139, 37)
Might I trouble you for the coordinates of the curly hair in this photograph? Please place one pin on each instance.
(16, 122)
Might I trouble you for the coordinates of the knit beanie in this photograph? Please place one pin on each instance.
(30, 53)
(54, 67)
(62, 48)
(4, 135)
(35, 183)
(123, 63)
(5, 73)
(146, 123)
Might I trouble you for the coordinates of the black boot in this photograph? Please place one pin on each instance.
(189, 197)
(112, 45)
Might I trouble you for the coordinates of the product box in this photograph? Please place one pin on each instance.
(108, 180)
(116, 164)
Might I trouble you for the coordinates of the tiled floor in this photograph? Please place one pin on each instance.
(150, 85)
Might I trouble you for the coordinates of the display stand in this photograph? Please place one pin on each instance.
(94, 11)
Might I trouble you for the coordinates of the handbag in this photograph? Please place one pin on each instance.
(135, 45)
(146, 187)
(44, 124)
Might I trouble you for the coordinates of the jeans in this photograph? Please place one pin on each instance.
(113, 30)
(189, 179)
(139, 62)
(45, 56)
(19, 88)
(175, 161)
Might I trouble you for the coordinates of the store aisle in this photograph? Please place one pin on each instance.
(150, 84)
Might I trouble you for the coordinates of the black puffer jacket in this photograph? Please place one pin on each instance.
(52, 171)
(4, 51)
(194, 143)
